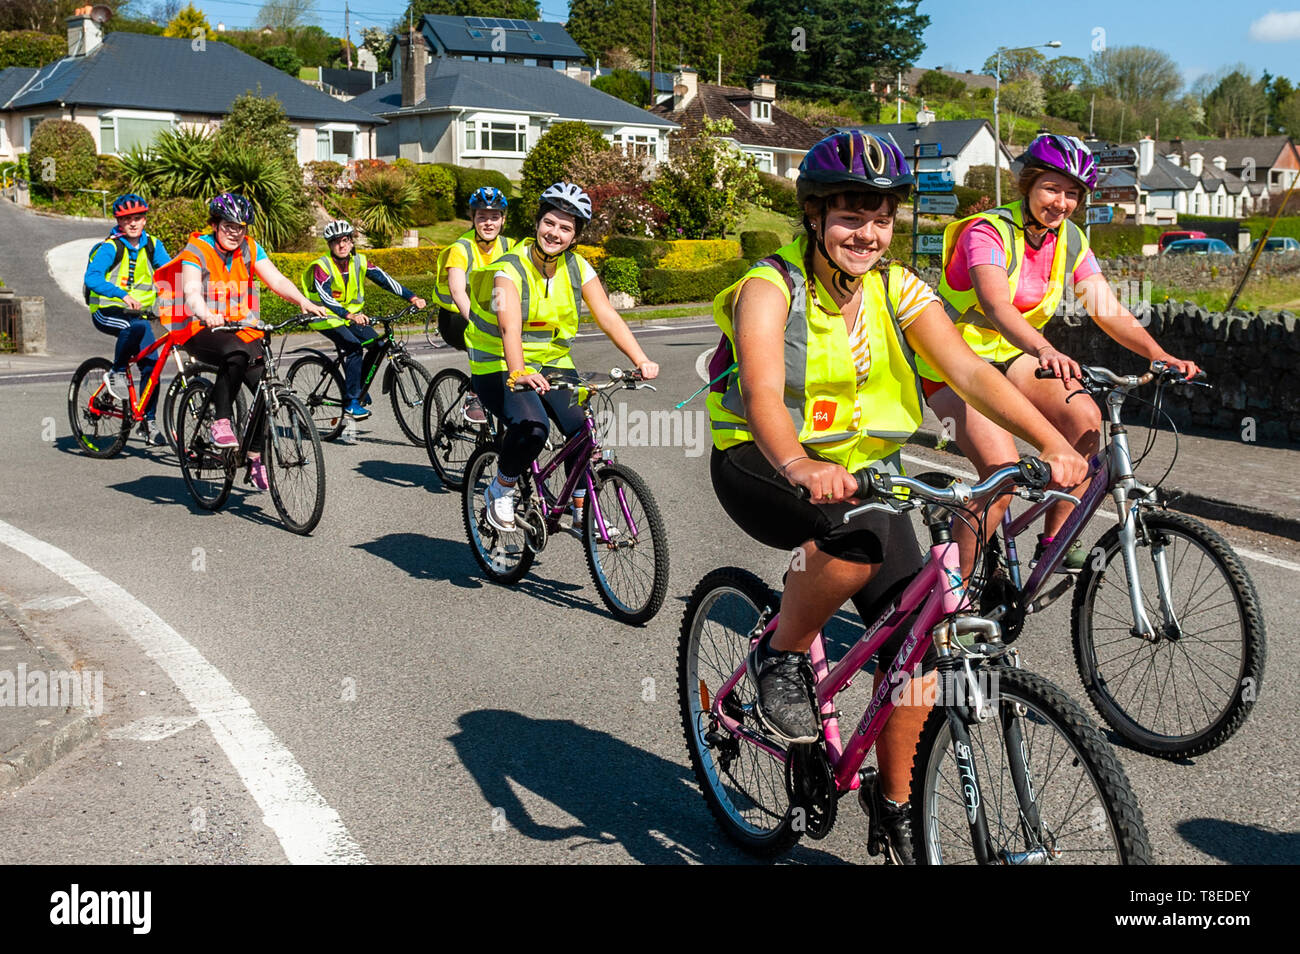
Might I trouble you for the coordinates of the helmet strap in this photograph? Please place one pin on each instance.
(842, 282)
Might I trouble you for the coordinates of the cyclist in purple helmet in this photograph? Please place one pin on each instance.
(824, 384)
(1004, 275)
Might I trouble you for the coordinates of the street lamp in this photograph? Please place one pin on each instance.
(997, 127)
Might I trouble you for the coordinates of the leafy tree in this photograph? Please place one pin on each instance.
(934, 84)
(286, 14)
(376, 41)
(386, 197)
(617, 184)
(1236, 105)
(29, 48)
(548, 163)
(689, 34)
(187, 21)
(1066, 104)
(841, 43)
(1064, 73)
(43, 16)
(705, 184)
(282, 58)
(626, 85)
(259, 120)
(1278, 89)
(62, 156)
(1016, 64)
(1288, 115)
(513, 9)
(1135, 74)
(1024, 97)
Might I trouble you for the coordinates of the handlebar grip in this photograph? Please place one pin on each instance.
(863, 477)
(1034, 473)
(1044, 373)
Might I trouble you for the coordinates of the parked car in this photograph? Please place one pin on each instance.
(1282, 244)
(1199, 246)
(1167, 237)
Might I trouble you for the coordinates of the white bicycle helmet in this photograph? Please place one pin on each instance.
(337, 229)
(567, 197)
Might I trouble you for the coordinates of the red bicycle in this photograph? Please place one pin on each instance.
(101, 423)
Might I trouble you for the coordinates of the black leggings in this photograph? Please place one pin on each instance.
(524, 414)
(451, 328)
(234, 360)
(768, 508)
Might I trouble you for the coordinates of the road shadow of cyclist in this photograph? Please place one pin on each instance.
(426, 558)
(399, 475)
(1239, 844)
(618, 793)
(161, 489)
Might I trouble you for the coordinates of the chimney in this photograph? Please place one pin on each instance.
(764, 88)
(683, 87)
(1146, 155)
(578, 73)
(1195, 163)
(1220, 163)
(1175, 158)
(415, 56)
(85, 32)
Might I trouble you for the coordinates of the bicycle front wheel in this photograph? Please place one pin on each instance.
(208, 470)
(628, 559)
(743, 782)
(295, 466)
(407, 386)
(503, 555)
(1075, 804)
(449, 439)
(320, 385)
(100, 422)
(1190, 689)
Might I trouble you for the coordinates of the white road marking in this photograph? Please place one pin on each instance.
(66, 264)
(309, 831)
(49, 604)
(1246, 552)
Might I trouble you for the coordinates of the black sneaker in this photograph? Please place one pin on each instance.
(784, 703)
(889, 823)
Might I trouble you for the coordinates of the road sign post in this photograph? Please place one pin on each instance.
(935, 181)
(1100, 214)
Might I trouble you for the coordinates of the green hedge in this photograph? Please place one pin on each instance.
(467, 180)
(621, 274)
(758, 244)
(378, 301)
(395, 261)
(780, 194)
(1109, 241)
(645, 252)
(1287, 226)
(664, 285)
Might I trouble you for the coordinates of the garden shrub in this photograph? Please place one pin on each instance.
(664, 285)
(758, 243)
(698, 253)
(62, 157)
(621, 275)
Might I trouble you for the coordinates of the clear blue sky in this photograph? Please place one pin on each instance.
(1201, 36)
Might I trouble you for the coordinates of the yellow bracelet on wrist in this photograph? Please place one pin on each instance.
(516, 375)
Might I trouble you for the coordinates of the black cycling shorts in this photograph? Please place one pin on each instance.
(769, 508)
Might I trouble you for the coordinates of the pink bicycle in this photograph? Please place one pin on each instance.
(1009, 770)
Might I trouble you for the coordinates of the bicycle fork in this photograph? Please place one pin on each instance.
(1128, 538)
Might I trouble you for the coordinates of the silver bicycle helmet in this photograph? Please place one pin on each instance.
(337, 229)
(567, 197)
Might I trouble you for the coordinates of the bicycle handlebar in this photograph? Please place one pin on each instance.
(263, 326)
(1029, 472)
(1097, 378)
(618, 378)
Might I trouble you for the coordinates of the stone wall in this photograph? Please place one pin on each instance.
(1252, 361)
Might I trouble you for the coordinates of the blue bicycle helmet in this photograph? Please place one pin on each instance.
(488, 197)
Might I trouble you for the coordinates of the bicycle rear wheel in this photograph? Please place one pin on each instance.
(1076, 789)
(449, 439)
(208, 470)
(320, 386)
(629, 561)
(503, 555)
(1189, 691)
(295, 466)
(743, 784)
(407, 385)
(100, 422)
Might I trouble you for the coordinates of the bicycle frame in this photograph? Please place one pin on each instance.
(1115, 462)
(935, 592)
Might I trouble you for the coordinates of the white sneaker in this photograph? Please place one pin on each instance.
(500, 502)
(116, 382)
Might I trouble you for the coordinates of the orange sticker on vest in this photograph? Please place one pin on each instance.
(823, 414)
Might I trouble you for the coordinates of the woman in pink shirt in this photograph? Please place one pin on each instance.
(1003, 279)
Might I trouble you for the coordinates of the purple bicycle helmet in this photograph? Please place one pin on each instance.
(231, 207)
(1064, 154)
(854, 161)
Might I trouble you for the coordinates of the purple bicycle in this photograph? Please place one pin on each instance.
(622, 531)
(1008, 770)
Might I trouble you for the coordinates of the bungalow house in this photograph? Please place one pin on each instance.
(1168, 187)
(963, 143)
(126, 87)
(494, 40)
(776, 139)
(1273, 161)
(489, 115)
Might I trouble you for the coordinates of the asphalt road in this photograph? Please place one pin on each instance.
(443, 718)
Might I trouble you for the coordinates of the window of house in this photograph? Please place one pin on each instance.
(761, 111)
(120, 132)
(336, 144)
(530, 61)
(508, 136)
(638, 144)
(29, 126)
(765, 161)
(559, 65)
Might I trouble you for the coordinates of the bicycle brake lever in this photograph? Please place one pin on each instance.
(1061, 495)
(881, 505)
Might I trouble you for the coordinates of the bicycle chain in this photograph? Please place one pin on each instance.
(811, 789)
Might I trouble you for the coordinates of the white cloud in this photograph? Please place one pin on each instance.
(1275, 27)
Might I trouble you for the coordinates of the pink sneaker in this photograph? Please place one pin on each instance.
(223, 435)
(257, 471)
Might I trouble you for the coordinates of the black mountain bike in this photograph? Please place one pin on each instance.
(319, 379)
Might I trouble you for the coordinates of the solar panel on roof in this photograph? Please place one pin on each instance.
(523, 26)
(474, 22)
